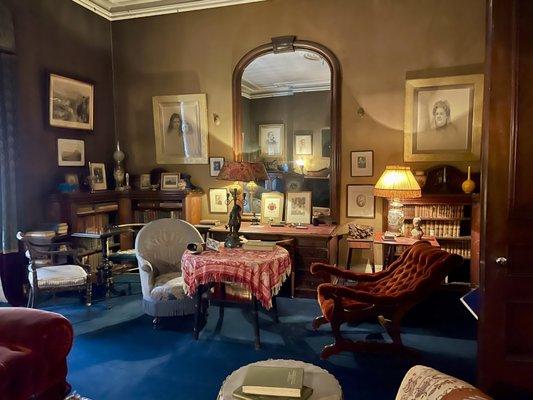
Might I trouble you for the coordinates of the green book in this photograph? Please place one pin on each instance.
(273, 381)
(240, 395)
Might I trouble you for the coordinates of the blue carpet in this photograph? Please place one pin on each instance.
(117, 354)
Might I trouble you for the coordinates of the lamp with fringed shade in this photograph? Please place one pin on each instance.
(239, 171)
(396, 183)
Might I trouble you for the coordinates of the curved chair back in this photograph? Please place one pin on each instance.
(162, 243)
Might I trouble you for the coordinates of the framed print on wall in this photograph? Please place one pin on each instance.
(443, 118)
(180, 128)
(70, 153)
(272, 140)
(360, 201)
(298, 207)
(170, 180)
(272, 207)
(326, 142)
(98, 176)
(215, 165)
(70, 103)
(144, 182)
(303, 144)
(362, 163)
(217, 201)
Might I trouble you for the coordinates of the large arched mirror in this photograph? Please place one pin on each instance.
(286, 100)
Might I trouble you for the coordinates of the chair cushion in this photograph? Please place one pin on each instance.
(59, 276)
(168, 287)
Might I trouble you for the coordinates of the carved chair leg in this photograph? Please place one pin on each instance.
(89, 293)
(275, 309)
(318, 321)
(31, 298)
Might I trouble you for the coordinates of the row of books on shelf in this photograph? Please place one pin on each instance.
(93, 223)
(86, 209)
(178, 205)
(463, 249)
(441, 228)
(435, 211)
(144, 216)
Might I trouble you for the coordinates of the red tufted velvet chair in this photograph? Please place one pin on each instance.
(386, 295)
(34, 345)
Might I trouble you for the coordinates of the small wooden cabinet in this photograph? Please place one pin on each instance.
(314, 244)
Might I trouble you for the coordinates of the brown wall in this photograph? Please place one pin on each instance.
(58, 36)
(378, 43)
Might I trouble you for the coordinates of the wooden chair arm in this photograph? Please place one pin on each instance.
(330, 291)
(317, 268)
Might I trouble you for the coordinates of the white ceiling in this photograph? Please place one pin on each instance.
(126, 9)
(284, 74)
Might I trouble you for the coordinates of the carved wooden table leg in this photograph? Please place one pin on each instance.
(198, 312)
(255, 320)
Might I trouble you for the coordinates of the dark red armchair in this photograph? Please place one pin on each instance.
(34, 345)
(386, 295)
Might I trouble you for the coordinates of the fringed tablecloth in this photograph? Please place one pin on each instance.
(261, 272)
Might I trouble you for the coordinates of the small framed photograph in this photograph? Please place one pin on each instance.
(70, 153)
(362, 163)
(303, 144)
(272, 140)
(272, 207)
(215, 165)
(70, 103)
(98, 176)
(217, 201)
(298, 207)
(144, 182)
(360, 201)
(170, 181)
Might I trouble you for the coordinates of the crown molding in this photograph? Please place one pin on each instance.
(138, 10)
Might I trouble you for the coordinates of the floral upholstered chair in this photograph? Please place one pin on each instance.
(159, 247)
(422, 382)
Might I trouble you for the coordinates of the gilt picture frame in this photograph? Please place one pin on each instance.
(272, 206)
(272, 140)
(443, 118)
(70, 153)
(180, 129)
(360, 201)
(217, 201)
(298, 207)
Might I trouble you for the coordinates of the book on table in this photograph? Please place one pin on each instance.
(240, 395)
(259, 245)
(274, 381)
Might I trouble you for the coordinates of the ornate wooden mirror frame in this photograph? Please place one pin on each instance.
(289, 44)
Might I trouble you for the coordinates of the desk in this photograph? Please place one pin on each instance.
(390, 245)
(261, 272)
(314, 244)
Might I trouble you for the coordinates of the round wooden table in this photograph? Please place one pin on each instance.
(324, 385)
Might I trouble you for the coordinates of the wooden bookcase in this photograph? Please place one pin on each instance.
(454, 220)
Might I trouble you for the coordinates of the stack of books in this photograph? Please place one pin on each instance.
(62, 228)
(273, 383)
(259, 245)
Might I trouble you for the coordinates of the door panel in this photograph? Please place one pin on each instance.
(505, 351)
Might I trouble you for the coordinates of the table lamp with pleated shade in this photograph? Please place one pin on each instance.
(396, 183)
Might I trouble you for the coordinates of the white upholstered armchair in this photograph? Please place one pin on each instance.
(159, 247)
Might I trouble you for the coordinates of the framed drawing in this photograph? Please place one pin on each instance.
(70, 153)
(272, 140)
(180, 127)
(217, 201)
(144, 182)
(443, 118)
(303, 144)
(360, 201)
(215, 165)
(298, 207)
(98, 176)
(272, 207)
(362, 163)
(253, 199)
(326, 142)
(70, 103)
(170, 180)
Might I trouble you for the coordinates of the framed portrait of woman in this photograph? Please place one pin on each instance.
(180, 128)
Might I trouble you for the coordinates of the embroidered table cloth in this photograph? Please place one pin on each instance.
(260, 272)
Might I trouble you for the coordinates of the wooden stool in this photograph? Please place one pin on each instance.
(360, 244)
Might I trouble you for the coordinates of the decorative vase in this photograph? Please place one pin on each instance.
(421, 178)
(469, 185)
(119, 172)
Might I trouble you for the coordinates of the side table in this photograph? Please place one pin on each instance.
(324, 385)
(360, 244)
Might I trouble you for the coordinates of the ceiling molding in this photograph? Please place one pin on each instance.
(114, 10)
(252, 91)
